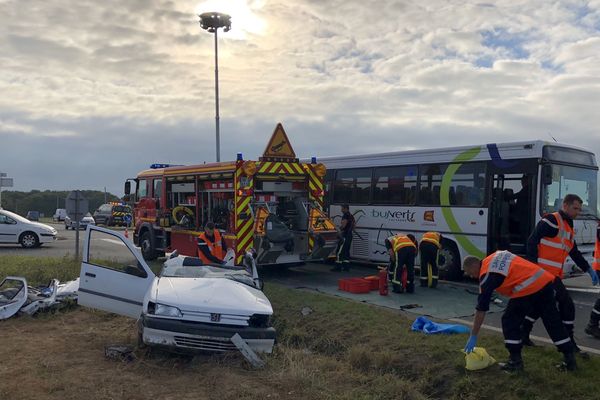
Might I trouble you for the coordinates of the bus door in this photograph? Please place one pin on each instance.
(512, 211)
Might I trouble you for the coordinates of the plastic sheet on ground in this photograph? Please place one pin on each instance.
(425, 325)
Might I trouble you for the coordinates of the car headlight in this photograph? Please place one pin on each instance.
(259, 320)
(161, 309)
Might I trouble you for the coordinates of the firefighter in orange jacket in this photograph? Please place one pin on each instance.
(428, 248)
(529, 288)
(211, 245)
(552, 240)
(402, 250)
(592, 327)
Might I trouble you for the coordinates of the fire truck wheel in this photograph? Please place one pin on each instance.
(147, 246)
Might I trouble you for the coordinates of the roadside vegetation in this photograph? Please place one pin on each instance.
(328, 348)
(48, 201)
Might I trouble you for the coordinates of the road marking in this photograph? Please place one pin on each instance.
(114, 241)
(532, 337)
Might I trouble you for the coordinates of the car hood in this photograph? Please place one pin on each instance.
(215, 295)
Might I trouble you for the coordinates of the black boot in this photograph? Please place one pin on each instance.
(514, 363)
(569, 363)
(593, 330)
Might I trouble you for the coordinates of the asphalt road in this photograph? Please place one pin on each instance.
(63, 246)
(318, 277)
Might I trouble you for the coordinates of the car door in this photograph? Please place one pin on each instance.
(9, 229)
(114, 276)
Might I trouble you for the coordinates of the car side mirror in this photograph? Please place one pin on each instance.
(127, 190)
(547, 174)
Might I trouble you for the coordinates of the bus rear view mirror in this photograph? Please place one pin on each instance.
(547, 174)
(127, 188)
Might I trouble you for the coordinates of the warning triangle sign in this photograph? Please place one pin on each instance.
(279, 147)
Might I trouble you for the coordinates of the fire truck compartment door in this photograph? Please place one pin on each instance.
(114, 276)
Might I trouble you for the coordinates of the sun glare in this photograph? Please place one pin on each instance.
(244, 18)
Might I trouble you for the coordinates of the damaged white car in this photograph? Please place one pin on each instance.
(17, 297)
(187, 307)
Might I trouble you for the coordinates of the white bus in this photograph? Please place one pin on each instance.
(480, 198)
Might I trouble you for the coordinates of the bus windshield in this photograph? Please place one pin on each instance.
(575, 180)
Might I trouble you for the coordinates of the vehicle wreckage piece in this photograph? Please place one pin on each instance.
(16, 296)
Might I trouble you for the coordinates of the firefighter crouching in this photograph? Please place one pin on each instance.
(211, 245)
(428, 248)
(529, 289)
(403, 250)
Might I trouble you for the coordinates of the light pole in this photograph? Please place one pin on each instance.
(211, 22)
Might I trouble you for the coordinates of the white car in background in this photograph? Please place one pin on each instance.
(187, 307)
(29, 234)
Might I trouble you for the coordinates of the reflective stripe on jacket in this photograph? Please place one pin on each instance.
(431, 237)
(596, 262)
(552, 252)
(521, 277)
(400, 241)
(215, 248)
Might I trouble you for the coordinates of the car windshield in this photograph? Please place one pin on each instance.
(16, 217)
(238, 274)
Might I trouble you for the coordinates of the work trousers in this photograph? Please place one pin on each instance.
(405, 258)
(566, 308)
(595, 314)
(429, 265)
(343, 252)
(542, 304)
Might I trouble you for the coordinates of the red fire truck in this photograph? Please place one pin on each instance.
(274, 205)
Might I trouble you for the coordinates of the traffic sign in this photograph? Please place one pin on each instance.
(77, 206)
(127, 218)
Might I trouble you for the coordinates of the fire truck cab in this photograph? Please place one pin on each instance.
(273, 205)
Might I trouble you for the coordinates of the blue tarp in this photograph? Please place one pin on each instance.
(425, 325)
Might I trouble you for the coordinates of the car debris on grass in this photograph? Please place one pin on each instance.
(17, 297)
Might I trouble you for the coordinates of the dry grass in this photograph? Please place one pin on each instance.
(342, 350)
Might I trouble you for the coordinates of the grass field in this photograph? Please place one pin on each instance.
(340, 350)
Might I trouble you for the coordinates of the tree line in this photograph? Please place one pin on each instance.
(48, 201)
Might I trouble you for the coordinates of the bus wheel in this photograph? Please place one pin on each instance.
(147, 246)
(449, 262)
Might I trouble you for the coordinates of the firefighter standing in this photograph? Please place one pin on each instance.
(428, 248)
(549, 245)
(211, 245)
(402, 250)
(529, 289)
(342, 260)
(592, 327)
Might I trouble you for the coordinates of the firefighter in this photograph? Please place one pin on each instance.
(402, 250)
(529, 289)
(428, 248)
(549, 245)
(592, 327)
(342, 260)
(211, 245)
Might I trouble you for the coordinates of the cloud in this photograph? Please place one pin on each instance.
(100, 90)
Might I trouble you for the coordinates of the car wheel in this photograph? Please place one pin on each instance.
(449, 261)
(147, 246)
(29, 240)
(66, 227)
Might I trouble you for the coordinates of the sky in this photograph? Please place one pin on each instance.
(94, 92)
